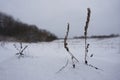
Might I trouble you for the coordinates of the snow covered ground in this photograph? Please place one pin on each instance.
(42, 61)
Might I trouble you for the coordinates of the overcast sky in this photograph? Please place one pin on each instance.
(54, 15)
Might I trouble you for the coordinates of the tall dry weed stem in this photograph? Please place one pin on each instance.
(85, 34)
(66, 47)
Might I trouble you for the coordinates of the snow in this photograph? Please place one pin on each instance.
(42, 61)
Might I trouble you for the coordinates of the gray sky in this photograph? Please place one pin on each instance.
(54, 15)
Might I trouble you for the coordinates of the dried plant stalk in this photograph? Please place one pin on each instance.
(87, 21)
(66, 47)
(85, 33)
(20, 49)
(63, 67)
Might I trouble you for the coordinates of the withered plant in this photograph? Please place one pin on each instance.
(66, 47)
(73, 58)
(20, 49)
(85, 34)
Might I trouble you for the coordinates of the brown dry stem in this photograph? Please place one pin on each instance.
(66, 47)
(85, 33)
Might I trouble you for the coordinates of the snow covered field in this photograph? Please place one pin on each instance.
(43, 60)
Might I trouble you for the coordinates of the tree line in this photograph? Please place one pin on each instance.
(9, 27)
(98, 36)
